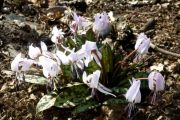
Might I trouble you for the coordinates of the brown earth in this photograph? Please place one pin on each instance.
(20, 104)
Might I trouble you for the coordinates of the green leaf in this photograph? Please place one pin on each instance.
(107, 58)
(92, 66)
(70, 43)
(80, 40)
(72, 95)
(36, 79)
(46, 102)
(90, 35)
(85, 106)
(114, 101)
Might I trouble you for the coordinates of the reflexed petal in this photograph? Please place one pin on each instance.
(54, 39)
(106, 92)
(25, 64)
(43, 46)
(80, 64)
(105, 88)
(95, 79)
(63, 58)
(15, 63)
(54, 30)
(34, 52)
(89, 46)
(50, 67)
(142, 44)
(133, 92)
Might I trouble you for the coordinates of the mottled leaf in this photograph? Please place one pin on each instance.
(34, 79)
(46, 102)
(72, 95)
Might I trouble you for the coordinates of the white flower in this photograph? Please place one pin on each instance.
(34, 52)
(142, 45)
(74, 27)
(62, 57)
(45, 51)
(57, 35)
(133, 94)
(74, 58)
(156, 81)
(50, 68)
(89, 50)
(92, 81)
(101, 25)
(80, 21)
(15, 63)
(21, 64)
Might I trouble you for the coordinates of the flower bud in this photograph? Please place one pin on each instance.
(156, 81)
(101, 25)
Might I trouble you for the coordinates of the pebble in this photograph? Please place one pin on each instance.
(6, 10)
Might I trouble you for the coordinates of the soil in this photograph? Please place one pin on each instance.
(22, 23)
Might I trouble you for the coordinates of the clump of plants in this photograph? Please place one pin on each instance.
(83, 73)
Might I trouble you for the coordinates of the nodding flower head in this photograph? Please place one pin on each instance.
(156, 81)
(34, 52)
(21, 64)
(142, 45)
(101, 25)
(50, 68)
(57, 35)
(133, 94)
(90, 50)
(79, 22)
(92, 81)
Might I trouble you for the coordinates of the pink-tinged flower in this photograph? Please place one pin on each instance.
(89, 50)
(92, 81)
(25, 64)
(156, 83)
(133, 95)
(74, 59)
(57, 35)
(34, 52)
(142, 45)
(80, 21)
(101, 25)
(74, 27)
(50, 68)
(21, 64)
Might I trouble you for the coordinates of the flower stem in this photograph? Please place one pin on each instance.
(142, 78)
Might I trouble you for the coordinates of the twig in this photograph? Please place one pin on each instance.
(164, 51)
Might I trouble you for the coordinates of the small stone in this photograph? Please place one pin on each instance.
(159, 67)
(166, 62)
(33, 97)
(165, 5)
